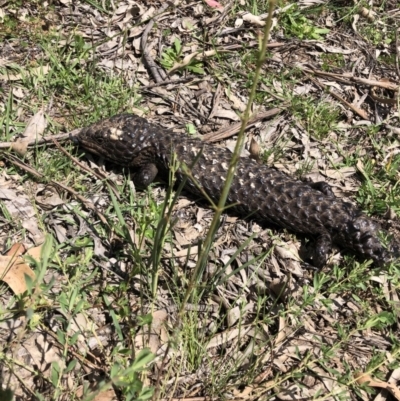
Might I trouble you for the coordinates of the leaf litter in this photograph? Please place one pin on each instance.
(230, 326)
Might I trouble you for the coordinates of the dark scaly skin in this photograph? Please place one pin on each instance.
(264, 193)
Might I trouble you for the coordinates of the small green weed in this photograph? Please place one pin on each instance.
(8, 26)
(258, 7)
(295, 24)
(305, 167)
(375, 36)
(173, 55)
(128, 379)
(103, 6)
(388, 59)
(332, 60)
(375, 196)
(318, 117)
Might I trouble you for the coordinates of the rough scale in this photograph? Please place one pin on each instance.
(262, 192)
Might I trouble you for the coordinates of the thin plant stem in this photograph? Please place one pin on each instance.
(203, 256)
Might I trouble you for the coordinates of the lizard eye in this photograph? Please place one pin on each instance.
(100, 139)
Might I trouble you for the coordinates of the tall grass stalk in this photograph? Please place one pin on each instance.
(203, 256)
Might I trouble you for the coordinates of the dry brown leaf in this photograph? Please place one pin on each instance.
(254, 149)
(233, 315)
(16, 250)
(14, 274)
(42, 70)
(236, 102)
(253, 19)
(48, 199)
(333, 49)
(183, 253)
(384, 100)
(200, 55)
(368, 14)
(13, 269)
(144, 340)
(157, 336)
(35, 128)
(34, 252)
(279, 288)
(159, 318)
(188, 24)
(106, 395)
(226, 336)
(288, 251)
(339, 174)
(39, 350)
(360, 167)
(229, 114)
(36, 235)
(282, 333)
(216, 101)
(20, 208)
(366, 378)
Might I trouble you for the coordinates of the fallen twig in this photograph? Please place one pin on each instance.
(156, 72)
(85, 168)
(233, 129)
(169, 81)
(14, 160)
(397, 41)
(45, 139)
(351, 106)
(348, 78)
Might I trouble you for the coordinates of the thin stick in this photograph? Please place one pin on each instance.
(30, 170)
(157, 73)
(45, 139)
(233, 129)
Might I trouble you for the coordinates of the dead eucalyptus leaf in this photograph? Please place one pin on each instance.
(253, 19)
(42, 70)
(254, 149)
(13, 268)
(35, 128)
(362, 378)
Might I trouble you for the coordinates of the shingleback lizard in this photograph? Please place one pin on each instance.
(265, 193)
